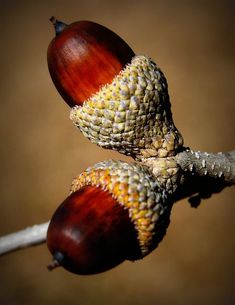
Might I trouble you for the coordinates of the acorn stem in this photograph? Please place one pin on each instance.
(58, 25)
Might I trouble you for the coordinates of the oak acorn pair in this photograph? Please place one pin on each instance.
(116, 211)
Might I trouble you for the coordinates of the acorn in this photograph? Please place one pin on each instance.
(119, 100)
(116, 211)
(83, 57)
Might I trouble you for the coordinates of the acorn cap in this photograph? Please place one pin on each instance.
(132, 114)
(136, 190)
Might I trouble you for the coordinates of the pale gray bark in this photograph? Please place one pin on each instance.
(215, 165)
(28, 237)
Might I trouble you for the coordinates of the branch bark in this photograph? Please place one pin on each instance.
(28, 237)
(214, 165)
(203, 174)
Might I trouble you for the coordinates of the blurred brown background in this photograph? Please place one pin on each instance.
(41, 151)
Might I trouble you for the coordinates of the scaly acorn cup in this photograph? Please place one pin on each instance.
(116, 211)
(120, 100)
(132, 114)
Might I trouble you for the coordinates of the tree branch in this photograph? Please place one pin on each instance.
(28, 237)
(214, 165)
(204, 174)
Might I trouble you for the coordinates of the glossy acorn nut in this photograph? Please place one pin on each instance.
(83, 57)
(116, 211)
(91, 232)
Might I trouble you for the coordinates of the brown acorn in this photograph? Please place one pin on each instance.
(119, 100)
(83, 57)
(97, 233)
(116, 212)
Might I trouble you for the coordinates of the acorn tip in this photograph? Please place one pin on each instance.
(58, 257)
(58, 25)
(54, 264)
(53, 20)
